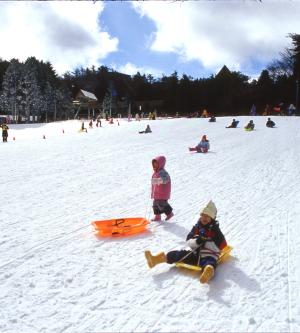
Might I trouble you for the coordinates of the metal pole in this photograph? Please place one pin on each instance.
(110, 105)
(297, 94)
(54, 108)
(15, 111)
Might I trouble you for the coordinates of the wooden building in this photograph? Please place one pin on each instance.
(85, 103)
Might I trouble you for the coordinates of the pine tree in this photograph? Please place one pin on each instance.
(11, 94)
(48, 97)
(33, 101)
(64, 105)
(106, 104)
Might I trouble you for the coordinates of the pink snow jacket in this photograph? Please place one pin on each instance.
(161, 181)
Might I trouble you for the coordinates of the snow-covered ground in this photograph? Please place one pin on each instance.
(57, 276)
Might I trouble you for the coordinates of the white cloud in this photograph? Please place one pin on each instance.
(215, 33)
(64, 33)
(132, 69)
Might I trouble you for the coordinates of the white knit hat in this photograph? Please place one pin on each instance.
(210, 209)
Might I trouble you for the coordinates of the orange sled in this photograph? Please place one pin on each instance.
(120, 227)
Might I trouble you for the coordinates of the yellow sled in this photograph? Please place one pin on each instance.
(225, 253)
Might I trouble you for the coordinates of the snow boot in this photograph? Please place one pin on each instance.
(207, 273)
(157, 218)
(169, 216)
(154, 260)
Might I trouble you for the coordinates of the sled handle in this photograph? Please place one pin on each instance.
(119, 221)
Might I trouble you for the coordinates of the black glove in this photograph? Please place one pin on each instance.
(201, 240)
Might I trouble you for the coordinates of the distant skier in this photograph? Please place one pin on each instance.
(5, 129)
(212, 119)
(253, 110)
(233, 124)
(98, 123)
(83, 129)
(291, 110)
(204, 114)
(249, 126)
(147, 130)
(267, 110)
(161, 189)
(270, 123)
(206, 240)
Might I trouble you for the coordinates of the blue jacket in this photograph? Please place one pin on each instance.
(203, 144)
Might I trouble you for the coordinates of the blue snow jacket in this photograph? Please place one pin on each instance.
(203, 144)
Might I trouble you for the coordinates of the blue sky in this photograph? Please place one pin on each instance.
(134, 33)
(154, 37)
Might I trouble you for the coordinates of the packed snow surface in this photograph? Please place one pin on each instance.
(56, 275)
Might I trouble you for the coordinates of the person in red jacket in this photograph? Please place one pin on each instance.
(205, 240)
(161, 189)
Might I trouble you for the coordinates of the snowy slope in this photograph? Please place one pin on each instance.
(57, 276)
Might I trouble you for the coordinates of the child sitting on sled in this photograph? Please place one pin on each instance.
(250, 126)
(233, 124)
(203, 146)
(161, 189)
(147, 130)
(205, 240)
(270, 123)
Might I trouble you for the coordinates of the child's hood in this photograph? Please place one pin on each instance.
(161, 160)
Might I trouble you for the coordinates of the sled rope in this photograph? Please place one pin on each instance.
(190, 254)
(148, 210)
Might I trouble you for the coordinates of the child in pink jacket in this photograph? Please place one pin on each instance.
(161, 189)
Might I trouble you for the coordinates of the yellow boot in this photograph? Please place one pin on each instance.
(207, 274)
(154, 260)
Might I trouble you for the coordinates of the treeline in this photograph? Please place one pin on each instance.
(226, 93)
(32, 91)
(33, 88)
